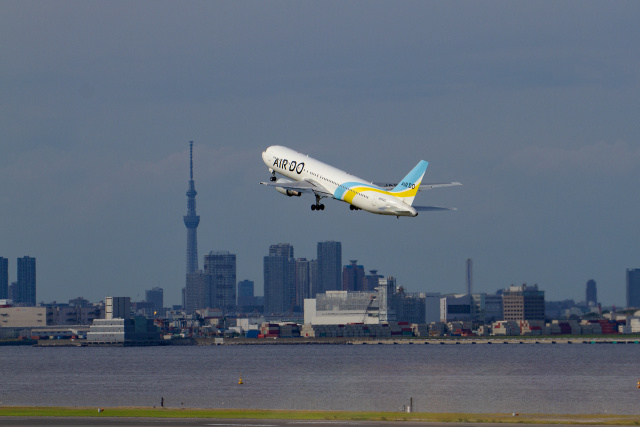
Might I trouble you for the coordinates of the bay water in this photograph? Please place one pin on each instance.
(499, 378)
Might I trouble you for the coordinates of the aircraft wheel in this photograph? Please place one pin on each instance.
(321, 207)
(313, 207)
(273, 178)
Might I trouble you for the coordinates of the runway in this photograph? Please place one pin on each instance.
(204, 422)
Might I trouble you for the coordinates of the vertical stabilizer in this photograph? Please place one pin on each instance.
(408, 187)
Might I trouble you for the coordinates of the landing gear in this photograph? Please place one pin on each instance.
(318, 206)
(353, 208)
(273, 175)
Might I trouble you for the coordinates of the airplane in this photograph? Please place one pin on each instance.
(304, 174)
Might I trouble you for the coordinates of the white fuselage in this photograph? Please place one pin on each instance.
(338, 183)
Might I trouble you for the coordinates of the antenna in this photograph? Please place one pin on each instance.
(191, 160)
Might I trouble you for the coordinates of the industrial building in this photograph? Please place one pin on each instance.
(385, 304)
(523, 303)
(456, 308)
(23, 317)
(342, 307)
(487, 308)
(117, 308)
(138, 330)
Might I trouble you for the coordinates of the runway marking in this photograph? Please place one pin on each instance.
(244, 425)
(325, 422)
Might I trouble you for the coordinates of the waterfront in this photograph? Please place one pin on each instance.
(581, 378)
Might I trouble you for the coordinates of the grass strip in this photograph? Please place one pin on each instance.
(135, 412)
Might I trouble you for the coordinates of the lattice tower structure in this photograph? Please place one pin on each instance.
(191, 220)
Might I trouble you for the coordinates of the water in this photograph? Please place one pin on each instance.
(562, 379)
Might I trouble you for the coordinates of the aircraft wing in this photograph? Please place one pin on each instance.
(423, 186)
(432, 208)
(302, 186)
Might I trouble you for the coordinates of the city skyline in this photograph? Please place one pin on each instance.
(538, 122)
(217, 286)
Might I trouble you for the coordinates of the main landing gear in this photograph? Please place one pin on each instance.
(273, 175)
(318, 206)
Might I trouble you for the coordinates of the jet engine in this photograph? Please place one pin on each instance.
(285, 191)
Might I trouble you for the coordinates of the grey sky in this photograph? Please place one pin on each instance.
(532, 105)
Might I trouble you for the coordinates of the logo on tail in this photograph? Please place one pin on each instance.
(410, 184)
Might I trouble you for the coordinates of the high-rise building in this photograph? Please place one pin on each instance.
(370, 281)
(191, 220)
(592, 293)
(155, 296)
(303, 281)
(523, 303)
(196, 292)
(352, 276)
(4, 278)
(487, 308)
(313, 278)
(633, 287)
(26, 281)
(14, 292)
(117, 308)
(221, 266)
(329, 266)
(279, 279)
(245, 293)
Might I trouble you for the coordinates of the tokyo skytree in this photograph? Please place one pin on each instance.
(191, 220)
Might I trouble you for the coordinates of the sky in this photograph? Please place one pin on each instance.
(533, 106)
